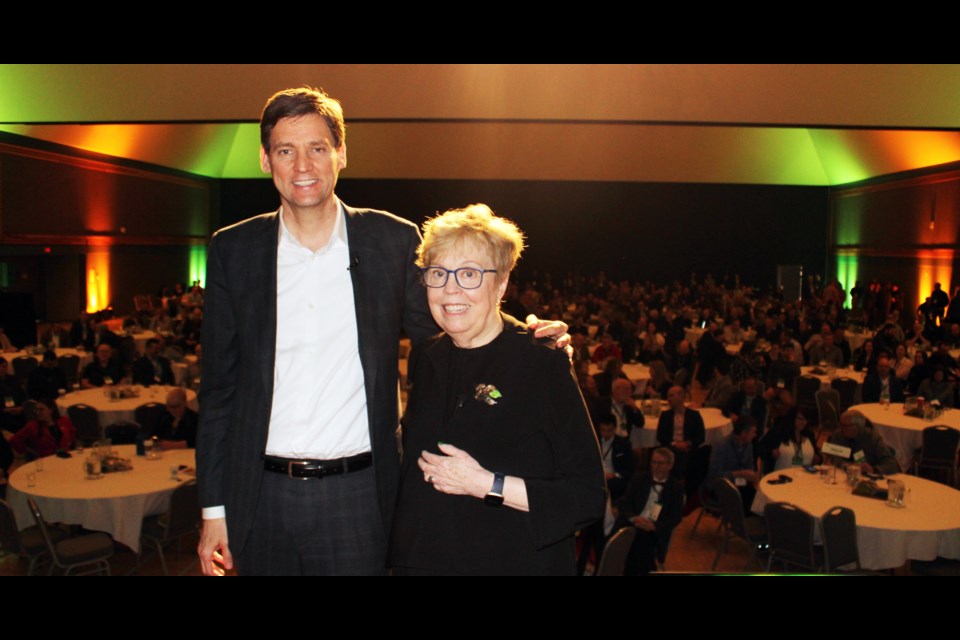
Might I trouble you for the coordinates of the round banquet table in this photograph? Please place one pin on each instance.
(928, 527)
(903, 433)
(717, 427)
(116, 503)
(826, 379)
(120, 410)
(86, 357)
(140, 339)
(638, 374)
(182, 369)
(856, 339)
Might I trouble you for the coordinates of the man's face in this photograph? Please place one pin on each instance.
(304, 162)
(883, 367)
(748, 434)
(153, 350)
(675, 397)
(622, 389)
(848, 428)
(607, 430)
(660, 466)
(750, 387)
(104, 352)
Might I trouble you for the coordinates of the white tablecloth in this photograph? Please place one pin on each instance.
(903, 433)
(182, 369)
(121, 410)
(693, 335)
(825, 379)
(856, 340)
(86, 357)
(638, 374)
(717, 428)
(116, 503)
(928, 527)
(140, 339)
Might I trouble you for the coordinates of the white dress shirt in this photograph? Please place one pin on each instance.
(319, 403)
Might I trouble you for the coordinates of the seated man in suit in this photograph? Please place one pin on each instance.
(152, 368)
(882, 383)
(747, 402)
(104, 370)
(46, 381)
(721, 388)
(177, 427)
(681, 430)
(783, 371)
(653, 504)
(617, 455)
(826, 352)
(621, 404)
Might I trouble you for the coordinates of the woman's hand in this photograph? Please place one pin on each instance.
(456, 472)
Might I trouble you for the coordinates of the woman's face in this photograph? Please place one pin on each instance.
(901, 351)
(800, 423)
(471, 317)
(43, 414)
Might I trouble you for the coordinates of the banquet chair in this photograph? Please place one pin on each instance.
(87, 421)
(23, 366)
(752, 530)
(791, 533)
(615, 554)
(828, 408)
(70, 365)
(122, 432)
(839, 527)
(709, 505)
(806, 392)
(180, 520)
(939, 452)
(147, 415)
(90, 549)
(28, 543)
(847, 388)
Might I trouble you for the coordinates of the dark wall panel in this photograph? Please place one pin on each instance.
(634, 230)
(45, 197)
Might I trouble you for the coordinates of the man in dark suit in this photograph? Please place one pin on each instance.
(177, 426)
(747, 402)
(620, 403)
(653, 505)
(303, 313)
(152, 368)
(882, 381)
(682, 431)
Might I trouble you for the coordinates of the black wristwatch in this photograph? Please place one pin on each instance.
(494, 497)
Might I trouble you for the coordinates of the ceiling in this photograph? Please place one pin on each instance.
(746, 124)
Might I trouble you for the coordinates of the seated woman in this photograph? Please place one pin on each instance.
(46, 434)
(919, 372)
(791, 444)
(501, 464)
(937, 387)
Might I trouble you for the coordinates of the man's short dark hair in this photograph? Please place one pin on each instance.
(606, 418)
(743, 424)
(153, 341)
(292, 103)
(49, 356)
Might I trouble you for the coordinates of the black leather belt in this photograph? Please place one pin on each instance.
(306, 469)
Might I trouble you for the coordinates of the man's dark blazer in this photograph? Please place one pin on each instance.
(143, 372)
(693, 429)
(633, 415)
(758, 408)
(671, 501)
(186, 430)
(239, 349)
(872, 388)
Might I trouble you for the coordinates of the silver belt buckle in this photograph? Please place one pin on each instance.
(290, 464)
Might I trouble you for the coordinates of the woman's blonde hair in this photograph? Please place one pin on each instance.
(500, 238)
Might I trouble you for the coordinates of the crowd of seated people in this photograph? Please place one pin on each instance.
(29, 421)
